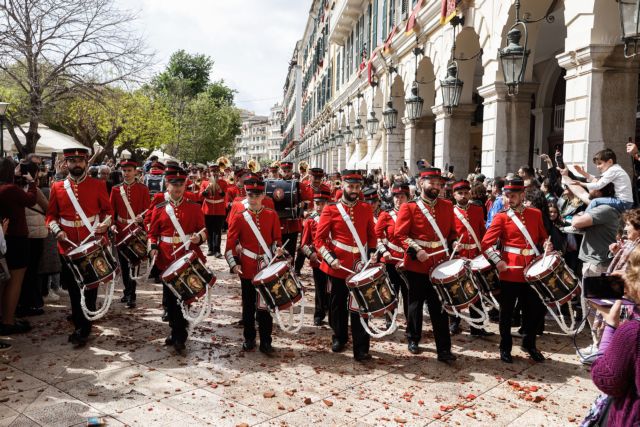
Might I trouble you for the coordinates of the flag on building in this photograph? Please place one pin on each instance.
(448, 11)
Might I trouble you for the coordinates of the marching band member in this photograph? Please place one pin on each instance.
(425, 227)
(334, 184)
(154, 180)
(291, 228)
(321, 197)
(371, 197)
(520, 231)
(171, 220)
(345, 243)
(389, 246)
(469, 225)
(75, 205)
(212, 192)
(257, 230)
(129, 200)
(241, 203)
(236, 190)
(274, 169)
(302, 168)
(311, 186)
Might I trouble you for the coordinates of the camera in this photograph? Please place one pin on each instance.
(603, 287)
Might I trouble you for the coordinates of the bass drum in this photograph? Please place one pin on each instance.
(286, 197)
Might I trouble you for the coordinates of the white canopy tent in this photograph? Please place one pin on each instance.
(50, 141)
(162, 156)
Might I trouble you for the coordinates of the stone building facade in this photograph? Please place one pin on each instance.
(357, 56)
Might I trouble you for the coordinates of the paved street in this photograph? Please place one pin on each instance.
(128, 377)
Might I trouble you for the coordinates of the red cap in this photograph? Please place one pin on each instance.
(75, 152)
(239, 172)
(400, 188)
(463, 184)
(371, 194)
(175, 174)
(430, 173)
(317, 172)
(157, 165)
(128, 162)
(288, 165)
(513, 185)
(351, 175)
(322, 193)
(254, 185)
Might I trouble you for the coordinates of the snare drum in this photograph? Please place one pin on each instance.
(278, 287)
(372, 292)
(486, 276)
(552, 279)
(187, 277)
(133, 245)
(454, 283)
(92, 263)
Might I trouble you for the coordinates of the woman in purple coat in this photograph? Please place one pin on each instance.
(616, 371)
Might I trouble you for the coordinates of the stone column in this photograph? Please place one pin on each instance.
(418, 141)
(393, 152)
(543, 125)
(505, 128)
(453, 138)
(600, 110)
(342, 154)
(347, 156)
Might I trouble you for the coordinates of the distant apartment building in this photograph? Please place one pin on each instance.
(260, 137)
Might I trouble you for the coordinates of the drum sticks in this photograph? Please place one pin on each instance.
(184, 245)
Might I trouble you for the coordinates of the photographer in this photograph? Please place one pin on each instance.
(616, 371)
(13, 201)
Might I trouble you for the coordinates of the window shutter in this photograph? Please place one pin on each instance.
(374, 35)
(384, 21)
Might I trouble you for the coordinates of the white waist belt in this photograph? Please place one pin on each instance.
(76, 224)
(250, 254)
(425, 244)
(392, 246)
(519, 251)
(170, 239)
(345, 247)
(213, 202)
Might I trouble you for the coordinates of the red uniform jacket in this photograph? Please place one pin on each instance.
(308, 236)
(232, 192)
(338, 195)
(475, 217)
(213, 203)
(502, 228)
(412, 225)
(332, 228)
(306, 194)
(138, 196)
(190, 217)
(159, 198)
(93, 199)
(385, 233)
(268, 224)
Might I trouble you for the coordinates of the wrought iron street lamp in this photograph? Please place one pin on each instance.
(390, 114)
(630, 23)
(358, 130)
(372, 124)
(339, 138)
(415, 102)
(451, 88)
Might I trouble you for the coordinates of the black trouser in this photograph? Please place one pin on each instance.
(177, 322)
(214, 232)
(532, 312)
(339, 318)
(80, 323)
(129, 284)
(399, 286)
(320, 279)
(250, 314)
(421, 289)
(292, 244)
(474, 314)
(31, 291)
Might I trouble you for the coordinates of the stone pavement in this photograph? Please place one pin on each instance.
(128, 377)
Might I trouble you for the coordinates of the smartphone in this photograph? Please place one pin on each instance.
(450, 169)
(603, 287)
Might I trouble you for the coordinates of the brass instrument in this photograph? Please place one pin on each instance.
(223, 162)
(253, 166)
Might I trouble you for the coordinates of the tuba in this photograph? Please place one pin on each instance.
(253, 166)
(223, 162)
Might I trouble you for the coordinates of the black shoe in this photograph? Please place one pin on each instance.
(505, 356)
(124, 299)
(337, 346)
(455, 329)
(446, 357)
(318, 322)
(249, 345)
(210, 253)
(179, 346)
(165, 316)
(481, 333)
(362, 357)
(156, 280)
(217, 255)
(413, 347)
(77, 340)
(168, 340)
(534, 354)
(266, 349)
(131, 303)
(16, 328)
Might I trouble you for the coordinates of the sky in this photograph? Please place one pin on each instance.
(250, 41)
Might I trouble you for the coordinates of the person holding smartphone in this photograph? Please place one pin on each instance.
(616, 370)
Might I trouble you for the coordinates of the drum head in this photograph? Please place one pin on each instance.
(366, 276)
(84, 249)
(448, 270)
(542, 266)
(178, 265)
(480, 263)
(272, 272)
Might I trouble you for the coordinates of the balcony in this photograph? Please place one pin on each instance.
(343, 19)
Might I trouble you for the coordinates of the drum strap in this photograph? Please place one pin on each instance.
(123, 194)
(352, 229)
(434, 224)
(466, 224)
(256, 232)
(176, 224)
(394, 216)
(77, 207)
(523, 230)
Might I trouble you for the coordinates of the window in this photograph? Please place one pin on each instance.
(374, 35)
(358, 40)
(384, 20)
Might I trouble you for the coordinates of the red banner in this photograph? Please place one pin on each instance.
(448, 11)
